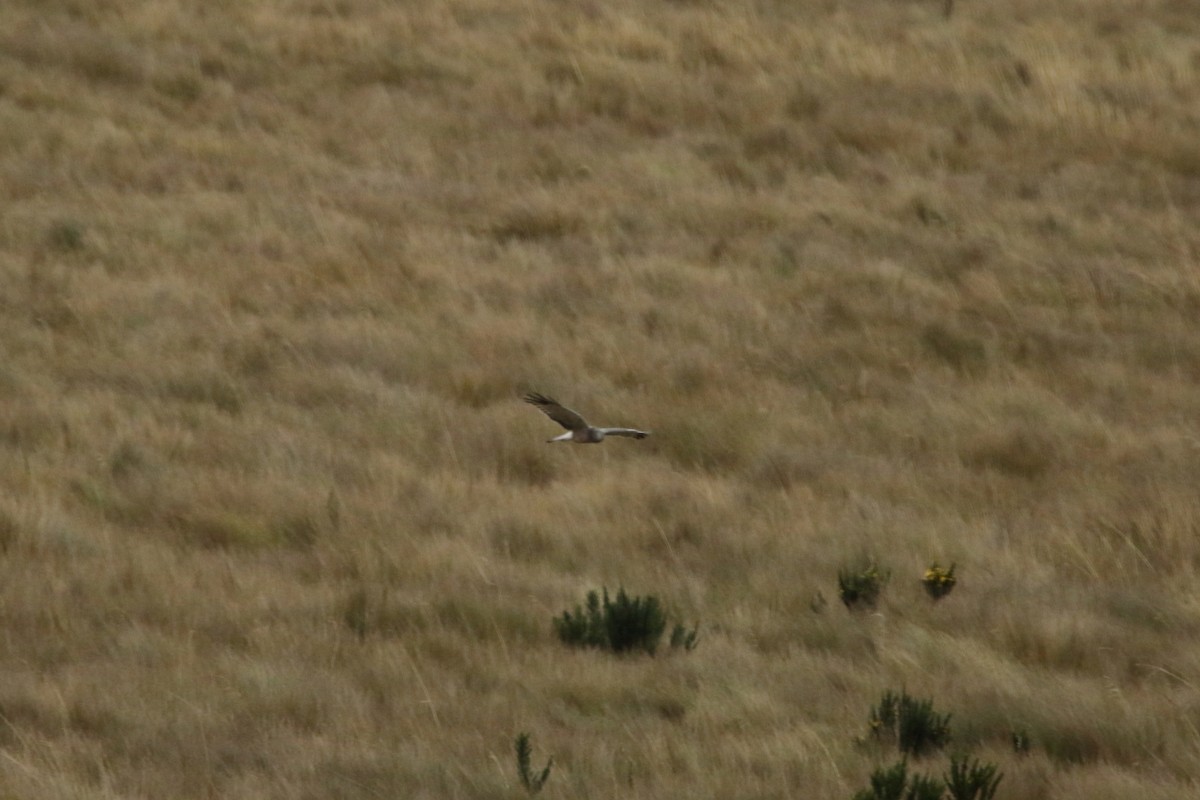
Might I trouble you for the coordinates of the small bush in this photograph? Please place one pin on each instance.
(972, 781)
(860, 588)
(626, 623)
(886, 784)
(633, 622)
(965, 781)
(912, 724)
(584, 628)
(924, 787)
(893, 784)
(532, 783)
(938, 581)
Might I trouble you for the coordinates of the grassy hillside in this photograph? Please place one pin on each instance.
(885, 284)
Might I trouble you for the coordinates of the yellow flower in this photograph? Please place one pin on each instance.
(938, 580)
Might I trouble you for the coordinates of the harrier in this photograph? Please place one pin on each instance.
(577, 428)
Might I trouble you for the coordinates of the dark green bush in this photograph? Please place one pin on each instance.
(622, 624)
(584, 628)
(916, 730)
(859, 587)
(938, 581)
(886, 784)
(633, 622)
(972, 781)
(911, 723)
(924, 787)
(893, 784)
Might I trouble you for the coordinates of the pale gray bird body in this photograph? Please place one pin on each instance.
(578, 430)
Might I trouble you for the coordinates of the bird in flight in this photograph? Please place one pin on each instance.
(578, 430)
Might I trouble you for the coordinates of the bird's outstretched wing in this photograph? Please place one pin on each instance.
(563, 416)
(633, 433)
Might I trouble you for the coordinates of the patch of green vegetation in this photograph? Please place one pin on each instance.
(860, 587)
(972, 781)
(532, 781)
(938, 581)
(910, 723)
(895, 783)
(626, 623)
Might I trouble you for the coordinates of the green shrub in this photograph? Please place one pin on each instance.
(972, 781)
(532, 783)
(938, 581)
(584, 628)
(893, 784)
(623, 624)
(965, 781)
(924, 787)
(886, 784)
(917, 730)
(859, 588)
(633, 622)
(912, 724)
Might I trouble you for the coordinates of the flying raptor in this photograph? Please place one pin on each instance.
(578, 430)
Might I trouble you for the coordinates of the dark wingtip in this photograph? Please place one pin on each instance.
(534, 398)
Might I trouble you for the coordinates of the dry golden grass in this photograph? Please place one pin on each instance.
(274, 522)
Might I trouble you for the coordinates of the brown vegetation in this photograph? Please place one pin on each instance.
(884, 283)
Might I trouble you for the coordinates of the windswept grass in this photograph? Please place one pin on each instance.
(883, 281)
